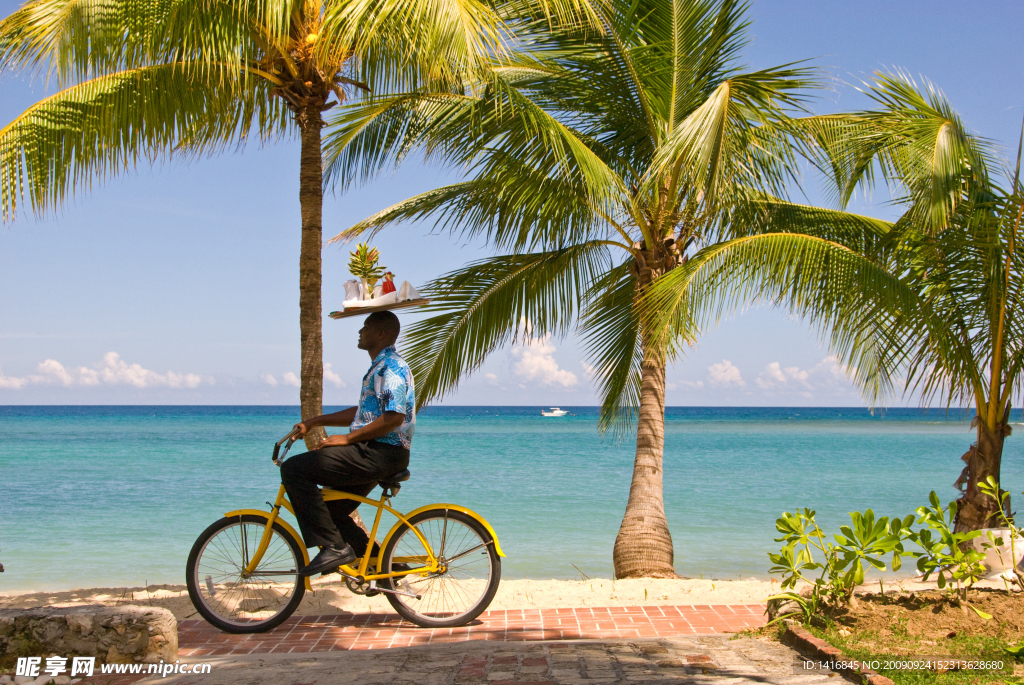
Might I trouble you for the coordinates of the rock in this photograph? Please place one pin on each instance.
(114, 656)
(23, 680)
(62, 680)
(83, 623)
(122, 634)
(4, 679)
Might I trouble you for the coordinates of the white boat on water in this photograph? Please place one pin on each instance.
(555, 411)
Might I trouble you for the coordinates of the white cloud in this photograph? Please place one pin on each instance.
(774, 376)
(269, 379)
(692, 384)
(832, 369)
(725, 374)
(829, 375)
(491, 378)
(535, 360)
(10, 382)
(116, 371)
(111, 371)
(52, 371)
(333, 377)
(290, 378)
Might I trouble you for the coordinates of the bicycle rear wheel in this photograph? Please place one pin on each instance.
(469, 575)
(235, 603)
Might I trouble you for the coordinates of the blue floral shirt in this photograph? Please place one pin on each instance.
(388, 386)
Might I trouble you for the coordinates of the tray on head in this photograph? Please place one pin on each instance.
(356, 311)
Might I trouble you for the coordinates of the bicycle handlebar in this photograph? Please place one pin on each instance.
(290, 439)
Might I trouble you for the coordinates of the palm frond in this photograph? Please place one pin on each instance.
(104, 126)
(857, 305)
(485, 305)
(78, 40)
(363, 138)
(916, 142)
(610, 330)
(449, 36)
(519, 213)
(738, 134)
(761, 213)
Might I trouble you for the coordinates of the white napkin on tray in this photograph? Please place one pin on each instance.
(407, 292)
(390, 298)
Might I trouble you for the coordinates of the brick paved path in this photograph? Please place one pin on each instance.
(478, 661)
(693, 660)
(376, 631)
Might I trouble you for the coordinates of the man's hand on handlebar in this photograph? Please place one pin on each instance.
(299, 431)
(336, 420)
(335, 441)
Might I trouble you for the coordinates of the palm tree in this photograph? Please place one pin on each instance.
(598, 161)
(956, 247)
(935, 299)
(145, 80)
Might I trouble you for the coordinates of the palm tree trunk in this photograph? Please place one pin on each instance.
(643, 547)
(976, 510)
(311, 197)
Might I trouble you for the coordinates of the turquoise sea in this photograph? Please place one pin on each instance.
(114, 496)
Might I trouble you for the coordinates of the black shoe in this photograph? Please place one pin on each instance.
(359, 555)
(329, 557)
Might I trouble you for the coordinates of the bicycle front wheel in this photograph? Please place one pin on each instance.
(231, 600)
(467, 578)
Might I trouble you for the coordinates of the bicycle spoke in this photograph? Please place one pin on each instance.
(459, 589)
(242, 600)
(468, 551)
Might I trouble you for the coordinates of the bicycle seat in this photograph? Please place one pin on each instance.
(399, 477)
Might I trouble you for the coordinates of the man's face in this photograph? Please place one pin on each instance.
(368, 336)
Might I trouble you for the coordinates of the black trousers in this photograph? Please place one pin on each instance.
(351, 468)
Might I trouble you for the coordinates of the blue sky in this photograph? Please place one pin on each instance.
(178, 284)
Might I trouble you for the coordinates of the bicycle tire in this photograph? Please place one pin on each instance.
(438, 620)
(193, 572)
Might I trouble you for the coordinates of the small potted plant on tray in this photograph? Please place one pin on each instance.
(363, 265)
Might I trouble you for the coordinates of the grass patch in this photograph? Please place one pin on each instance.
(910, 626)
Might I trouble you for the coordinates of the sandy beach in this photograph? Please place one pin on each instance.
(329, 596)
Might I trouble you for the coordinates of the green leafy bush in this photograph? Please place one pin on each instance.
(833, 569)
(957, 565)
(842, 563)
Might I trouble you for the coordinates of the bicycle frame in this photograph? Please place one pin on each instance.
(429, 564)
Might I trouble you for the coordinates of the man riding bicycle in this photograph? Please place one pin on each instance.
(376, 447)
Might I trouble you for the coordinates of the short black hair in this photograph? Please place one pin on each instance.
(386, 322)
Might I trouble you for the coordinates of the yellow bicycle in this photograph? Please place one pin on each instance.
(439, 565)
